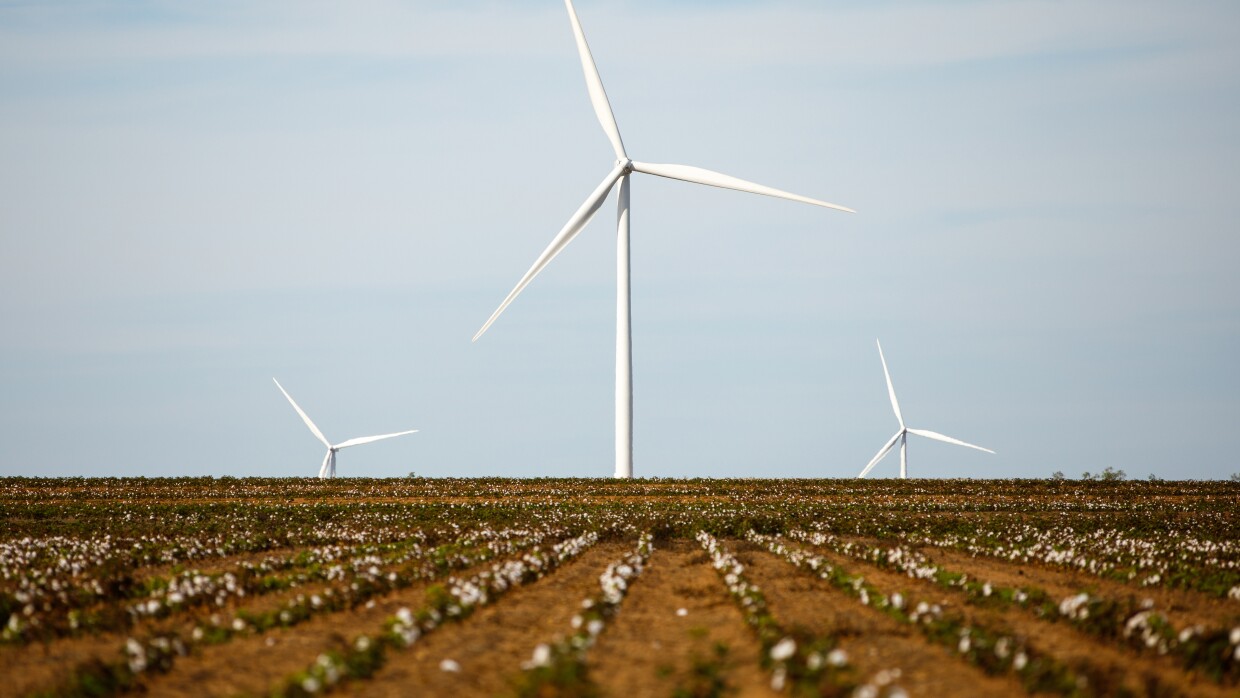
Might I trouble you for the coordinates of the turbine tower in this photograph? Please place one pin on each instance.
(620, 171)
(902, 435)
(328, 469)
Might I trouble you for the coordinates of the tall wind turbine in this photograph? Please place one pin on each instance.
(902, 435)
(328, 469)
(619, 173)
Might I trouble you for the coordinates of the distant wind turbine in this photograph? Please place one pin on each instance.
(328, 469)
(902, 435)
(620, 172)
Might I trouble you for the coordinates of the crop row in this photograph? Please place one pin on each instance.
(158, 652)
(1135, 624)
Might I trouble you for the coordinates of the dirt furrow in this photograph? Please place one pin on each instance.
(490, 645)
(39, 665)
(217, 563)
(652, 650)
(1124, 670)
(1181, 606)
(257, 664)
(874, 642)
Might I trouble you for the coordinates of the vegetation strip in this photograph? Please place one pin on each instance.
(158, 654)
(104, 546)
(992, 650)
(66, 601)
(559, 668)
(1215, 652)
(452, 603)
(1173, 557)
(810, 665)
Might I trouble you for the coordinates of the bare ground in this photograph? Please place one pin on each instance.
(490, 645)
(874, 642)
(1183, 607)
(650, 650)
(1123, 669)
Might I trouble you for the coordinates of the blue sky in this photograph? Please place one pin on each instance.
(200, 197)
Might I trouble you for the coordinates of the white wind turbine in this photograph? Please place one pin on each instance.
(328, 469)
(902, 435)
(620, 172)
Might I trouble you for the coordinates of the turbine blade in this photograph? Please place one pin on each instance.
(594, 84)
(881, 452)
(304, 417)
(945, 439)
(715, 179)
(891, 390)
(561, 240)
(367, 439)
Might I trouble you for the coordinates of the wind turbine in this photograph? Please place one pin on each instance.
(328, 469)
(902, 435)
(619, 173)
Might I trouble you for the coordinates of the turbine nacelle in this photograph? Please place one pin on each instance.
(625, 165)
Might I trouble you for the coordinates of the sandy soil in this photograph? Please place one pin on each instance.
(490, 645)
(1122, 669)
(1183, 607)
(874, 642)
(650, 650)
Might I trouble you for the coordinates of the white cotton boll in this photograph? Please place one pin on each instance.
(778, 678)
(594, 627)
(1020, 661)
(541, 657)
(784, 649)
(449, 665)
(682, 612)
(837, 657)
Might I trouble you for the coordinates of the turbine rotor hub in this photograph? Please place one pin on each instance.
(626, 166)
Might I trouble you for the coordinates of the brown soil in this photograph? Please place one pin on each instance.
(212, 565)
(257, 664)
(649, 650)
(490, 645)
(1181, 606)
(874, 642)
(1123, 669)
(38, 665)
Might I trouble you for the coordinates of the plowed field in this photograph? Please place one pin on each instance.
(202, 587)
